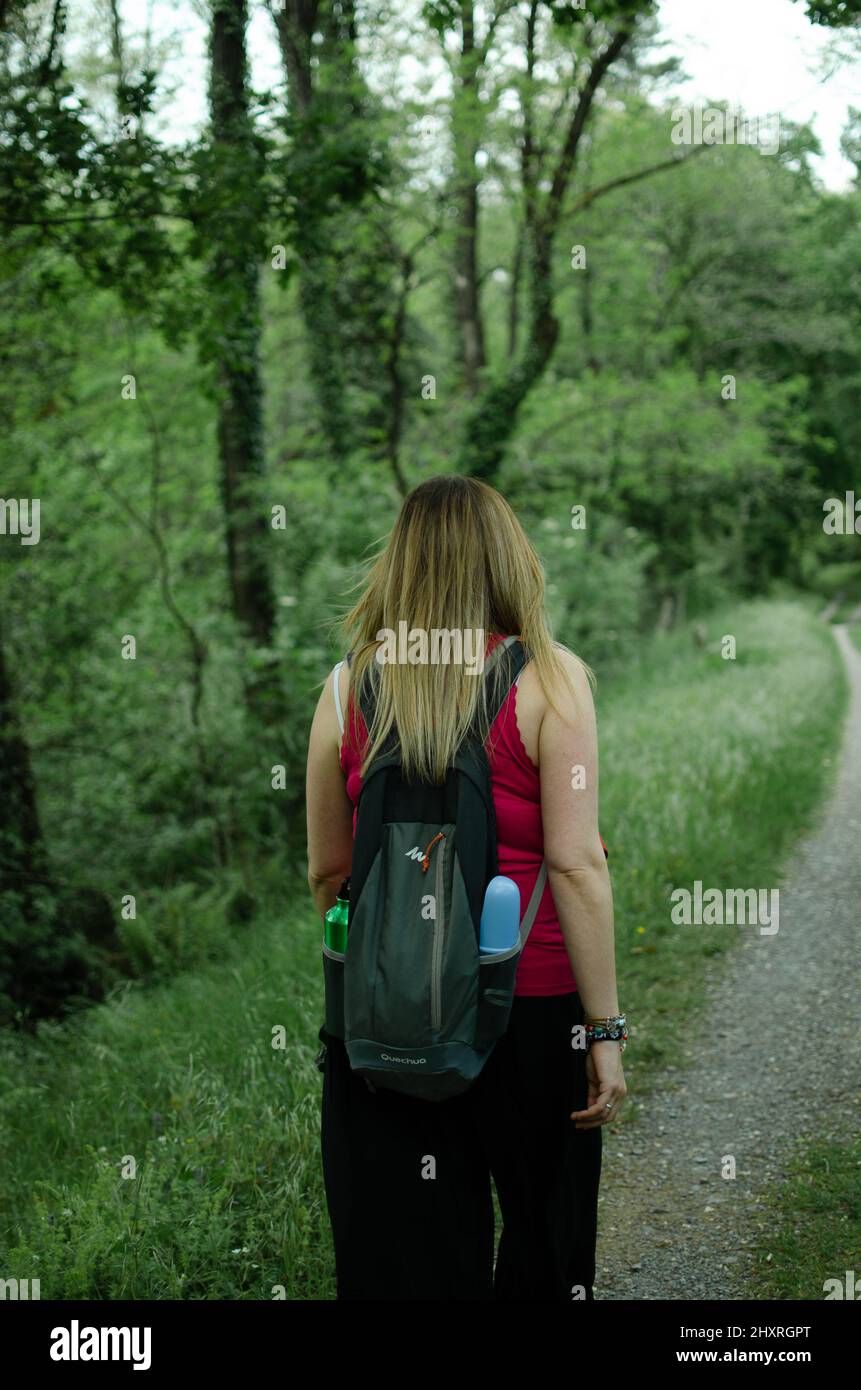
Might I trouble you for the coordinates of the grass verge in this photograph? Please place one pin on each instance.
(808, 1238)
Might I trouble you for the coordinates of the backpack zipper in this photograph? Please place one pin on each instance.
(438, 932)
(426, 856)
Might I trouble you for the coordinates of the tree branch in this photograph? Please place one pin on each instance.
(591, 194)
(57, 24)
(499, 13)
(568, 155)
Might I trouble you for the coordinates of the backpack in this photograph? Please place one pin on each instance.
(418, 1007)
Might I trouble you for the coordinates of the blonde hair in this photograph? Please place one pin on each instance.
(457, 558)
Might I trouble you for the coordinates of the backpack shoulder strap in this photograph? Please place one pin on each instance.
(337, 693)
(501, 671)
(531, 912)
(366, 700)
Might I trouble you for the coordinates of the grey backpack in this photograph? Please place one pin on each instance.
(418, 1007)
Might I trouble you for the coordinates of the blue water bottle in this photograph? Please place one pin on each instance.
(500, 916)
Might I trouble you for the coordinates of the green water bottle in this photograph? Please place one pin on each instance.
(335, 921)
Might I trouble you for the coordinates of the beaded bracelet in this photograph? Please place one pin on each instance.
(607, 1030)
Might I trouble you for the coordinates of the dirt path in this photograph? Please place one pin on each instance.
(670, 1226)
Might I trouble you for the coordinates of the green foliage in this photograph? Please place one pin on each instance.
(96, 200)
(831, 579)
(58, 952)
(835, 14)
(598, 592)
(566, 13)
(186, 925)
(808, 1231)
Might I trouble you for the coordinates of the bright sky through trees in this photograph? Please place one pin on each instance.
(764, 56)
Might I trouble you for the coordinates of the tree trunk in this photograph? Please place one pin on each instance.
(346, 272)
(493, 420)
(494, 416)
(234, 291)
(296, 22)
(466, 131)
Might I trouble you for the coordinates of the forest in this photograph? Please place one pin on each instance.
(447, 237)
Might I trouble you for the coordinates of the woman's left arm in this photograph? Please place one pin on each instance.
(329, 809)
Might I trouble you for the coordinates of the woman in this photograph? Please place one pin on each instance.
(457, 556)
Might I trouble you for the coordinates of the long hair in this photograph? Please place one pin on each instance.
(456, 560)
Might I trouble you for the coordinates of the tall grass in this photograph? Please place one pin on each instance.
(709, 770)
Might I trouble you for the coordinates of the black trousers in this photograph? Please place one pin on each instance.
(408, 1181)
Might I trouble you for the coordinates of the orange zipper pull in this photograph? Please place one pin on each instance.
(426, 856)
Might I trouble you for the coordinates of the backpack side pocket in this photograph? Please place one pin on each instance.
(333, 983)
(496, 975)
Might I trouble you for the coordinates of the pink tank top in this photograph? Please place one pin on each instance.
(543, 967)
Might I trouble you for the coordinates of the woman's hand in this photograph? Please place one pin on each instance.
(606, 1086)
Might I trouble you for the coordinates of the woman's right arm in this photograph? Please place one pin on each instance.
(579, 880)
(576, 865)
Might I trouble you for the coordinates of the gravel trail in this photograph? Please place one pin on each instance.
(670, 1226)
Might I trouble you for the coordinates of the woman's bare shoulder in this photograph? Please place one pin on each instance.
(533, 704)
(575, 669)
